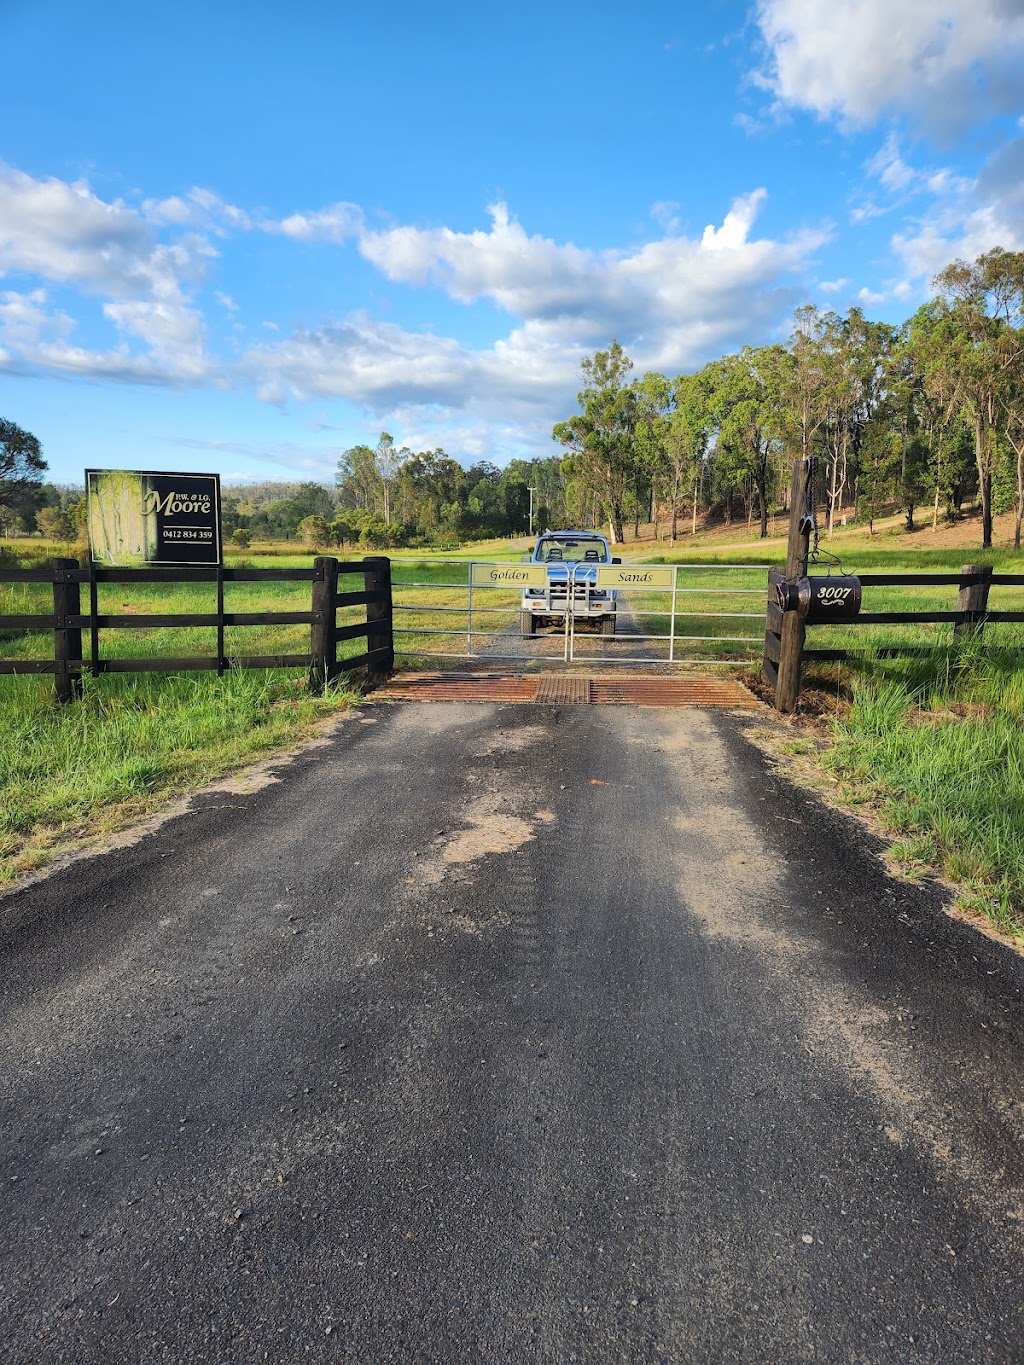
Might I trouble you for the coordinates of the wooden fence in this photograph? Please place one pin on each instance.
(785, 632)
(67, 621)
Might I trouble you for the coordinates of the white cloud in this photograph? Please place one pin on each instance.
(25, 319)
(863, 213)
(944, 62)
(338, 223)
(889, 166)
(832, 286)
(200, 208)
(666, 213)
(673, 303)
(582, 295)
(738, 222)
(967, 218)
(64, 234)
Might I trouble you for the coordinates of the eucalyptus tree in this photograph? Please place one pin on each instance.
(1014, 431)
(930, 442)
(805, 384)
(549, 479)
(426, 483)
(686, 440)
(600, 438)
(21, 461)
(387, 461)
(356, 477)
(745, 397)
(865, 368)
(973, 345)
(655, 400)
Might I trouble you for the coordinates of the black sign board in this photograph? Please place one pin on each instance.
(137, 518)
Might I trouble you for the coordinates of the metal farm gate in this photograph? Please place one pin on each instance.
(664, 615)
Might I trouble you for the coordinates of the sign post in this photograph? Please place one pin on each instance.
(137, 519)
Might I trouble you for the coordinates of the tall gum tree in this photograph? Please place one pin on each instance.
(746, 396)
(686, 440)
(974, 354)
(601, 437)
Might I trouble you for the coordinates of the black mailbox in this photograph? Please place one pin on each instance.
(835, 597)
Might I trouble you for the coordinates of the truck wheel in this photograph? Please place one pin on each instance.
(607, 625)
(526, 627)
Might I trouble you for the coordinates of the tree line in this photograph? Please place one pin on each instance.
(930, 411)
(927, 413)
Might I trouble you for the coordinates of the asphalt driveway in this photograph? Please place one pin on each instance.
(507, 1034)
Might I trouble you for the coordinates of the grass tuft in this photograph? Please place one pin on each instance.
(940, 742)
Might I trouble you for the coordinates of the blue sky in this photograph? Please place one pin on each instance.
(240, 238)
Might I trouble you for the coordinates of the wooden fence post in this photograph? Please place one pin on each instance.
(377, 578)
(791, 631)
(772, 631)
(323, 640)
(973, 600)
(67, 640)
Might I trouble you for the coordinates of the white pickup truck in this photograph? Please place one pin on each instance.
(571, 557)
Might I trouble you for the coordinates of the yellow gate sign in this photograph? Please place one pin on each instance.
(509, 575)
(636, 576)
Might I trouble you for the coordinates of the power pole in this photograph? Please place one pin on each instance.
(533, 490)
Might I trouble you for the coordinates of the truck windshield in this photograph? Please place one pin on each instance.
(573, 549)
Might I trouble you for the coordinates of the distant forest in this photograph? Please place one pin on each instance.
(925, 417)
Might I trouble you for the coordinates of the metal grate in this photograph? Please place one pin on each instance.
(565, 689)
(571, 690)
(610, 691)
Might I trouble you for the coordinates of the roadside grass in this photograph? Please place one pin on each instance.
(936, 745)
(68, 773)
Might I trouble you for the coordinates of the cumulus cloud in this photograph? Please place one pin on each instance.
(673, 303)
(64, 234)
(338, 223)
(26, 319)
(943, 62)
(200, 208)
(967, 217)
(582, 293)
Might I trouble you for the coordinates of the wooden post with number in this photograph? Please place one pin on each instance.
(791, 634)
(67, 640)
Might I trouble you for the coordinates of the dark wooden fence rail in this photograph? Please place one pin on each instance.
(972, 614)
(67, 621)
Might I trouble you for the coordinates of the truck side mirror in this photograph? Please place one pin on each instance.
(616, 561)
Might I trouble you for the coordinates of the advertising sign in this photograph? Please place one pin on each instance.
(635, 576)
(509, 575)
(135, 519)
